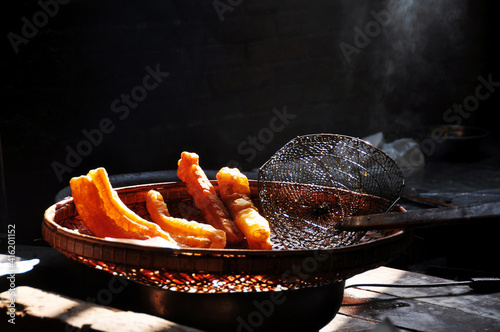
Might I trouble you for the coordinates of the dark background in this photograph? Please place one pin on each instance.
(226, 76)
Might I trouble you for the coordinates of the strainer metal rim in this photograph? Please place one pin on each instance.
(301, 137)
(325, 166)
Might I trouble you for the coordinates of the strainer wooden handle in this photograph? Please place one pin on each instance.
(424, 217)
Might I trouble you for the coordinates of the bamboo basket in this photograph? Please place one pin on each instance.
(212, 270)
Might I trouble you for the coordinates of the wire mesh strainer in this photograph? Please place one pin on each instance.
(315, 181)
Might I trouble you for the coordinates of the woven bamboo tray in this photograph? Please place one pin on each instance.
(212, 270)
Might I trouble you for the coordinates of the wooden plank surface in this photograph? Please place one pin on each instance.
(38, 310)
(455, 308)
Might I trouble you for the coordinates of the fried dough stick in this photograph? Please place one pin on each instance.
(91, 209)
(191, 233)
(205, 197)
(235, 193)
(117, 211)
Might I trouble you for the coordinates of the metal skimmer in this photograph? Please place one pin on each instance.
(315, 181)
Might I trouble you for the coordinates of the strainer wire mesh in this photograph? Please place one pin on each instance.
(315, 181)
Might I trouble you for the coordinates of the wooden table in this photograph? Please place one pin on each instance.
(454, 308)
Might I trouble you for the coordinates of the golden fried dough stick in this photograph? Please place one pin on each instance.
(191, 233)
(120, 213)
(91, 209)
(205, 197)
(235, 193)
(192, 241)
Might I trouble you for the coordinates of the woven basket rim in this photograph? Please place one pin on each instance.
(49, 222)
(342, 261)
